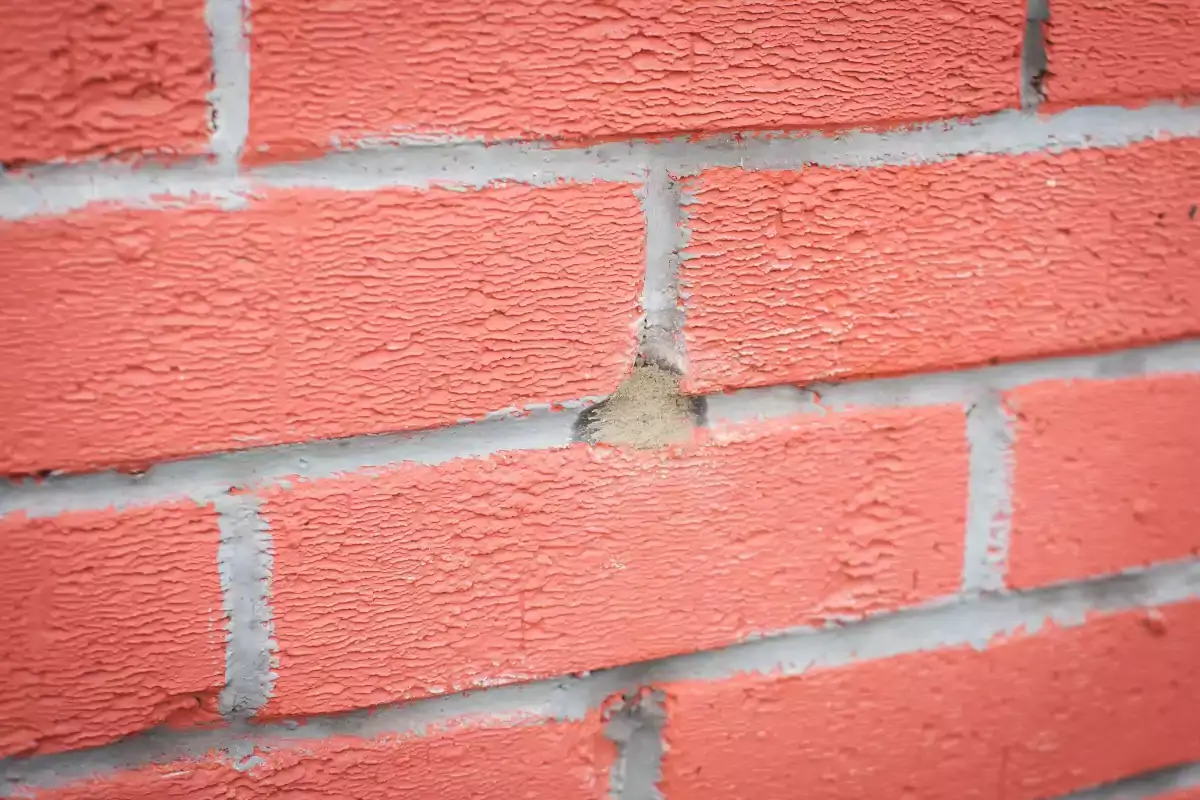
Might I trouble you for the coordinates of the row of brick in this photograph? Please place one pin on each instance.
(410, 581)
(81, 81)
(321, 313)
(1031, 716)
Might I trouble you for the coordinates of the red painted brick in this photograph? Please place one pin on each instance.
(90, 79)
(132, 335)
(560, 69)
(113, 624)
(1032, 717)
(835, 273)
(1105, 477)
(426, 579)
(548, 761)
(1122, 52)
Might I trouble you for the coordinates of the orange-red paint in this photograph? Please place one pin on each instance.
(1105, 477)
(1122, 52)
(427, 579)
(113, 624)
(136, 335)
(470, 760)
(80, 80)
(517, 69)
(1031, 717)
(834, 273)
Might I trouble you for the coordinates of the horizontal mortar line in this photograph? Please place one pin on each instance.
(951, 622)
(58, 188)
(1147, 786)
(954, 621)
(206, 478)
(962, 386)
(566, 698)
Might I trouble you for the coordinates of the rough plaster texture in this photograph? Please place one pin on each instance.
(90, 79)
(554, 68)
(1106, 477)
(1122, 52)
(308, 314)
(422, 580)
(1029, 717)
(113, 625)
(537, 760)
(828, 273)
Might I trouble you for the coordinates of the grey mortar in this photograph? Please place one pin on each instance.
(229, 99)
(59, 188)
(636, 726)
(245, 562)
(989, 508)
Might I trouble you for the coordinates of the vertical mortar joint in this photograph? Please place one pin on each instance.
(989, 507)
(635, 724)
(229, 99)
(660, 335)
(245, 563)
(1034, 63)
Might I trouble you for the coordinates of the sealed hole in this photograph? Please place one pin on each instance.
(647, 410)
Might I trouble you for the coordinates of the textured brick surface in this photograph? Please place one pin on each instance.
(550, 761)
(82, 79)
(133, 335)
(833, 273)
(555, 68)
(423, 580)
(1033, 717)
(1105, 478)
(1123, 52)
(113, 623)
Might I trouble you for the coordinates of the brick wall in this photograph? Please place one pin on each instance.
(308, 319)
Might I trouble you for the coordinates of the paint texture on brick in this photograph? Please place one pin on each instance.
(1122, 52)
(90, 79)
(560, 69)
(429, 579)
(113, 624)
(835, 273)
(476, 761)
(1106, 477)
(1037, 716)
(134, 335)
